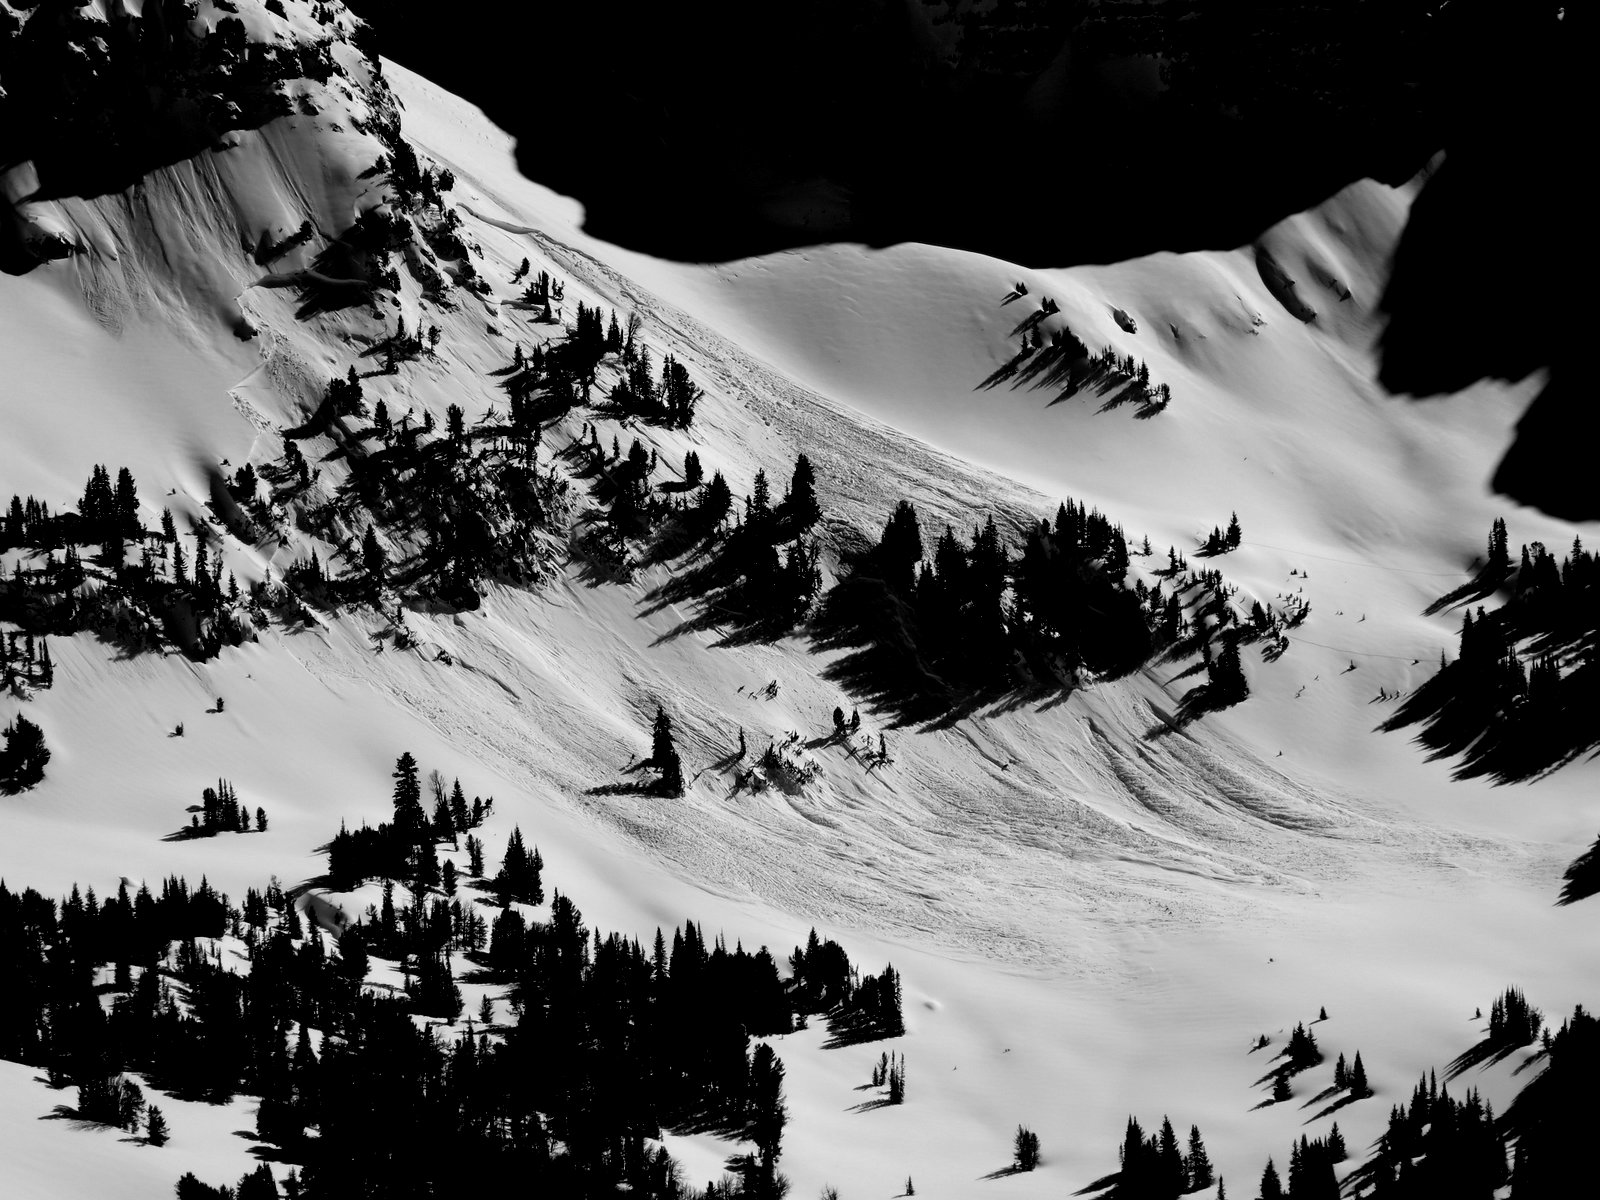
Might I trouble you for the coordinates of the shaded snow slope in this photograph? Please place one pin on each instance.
(1093, 915)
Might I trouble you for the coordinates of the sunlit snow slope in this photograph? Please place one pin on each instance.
(1093, 914)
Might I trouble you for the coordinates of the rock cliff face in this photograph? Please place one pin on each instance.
(94, 96)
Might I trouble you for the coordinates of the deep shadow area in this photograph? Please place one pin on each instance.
(1499, 221)
(925, 115)
(1582, 878)
(94, 105)
(1498, 725)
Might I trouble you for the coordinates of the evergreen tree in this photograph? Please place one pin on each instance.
(373, 558)
(800, 505)
(24, 756)
(768, 1113)
(1199, 1162)
(1171, 1176)
(1227, 682)
(156, 1131)
(1271, 1185)
(664, 756)
(409, 820)
(715, 503)
(1499, 549)
(1358, 1078)
(1025, 1149)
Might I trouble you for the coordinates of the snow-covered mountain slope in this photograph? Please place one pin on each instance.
(1093, 913)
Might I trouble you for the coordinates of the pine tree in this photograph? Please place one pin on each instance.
(1228, 684)
(715, 503)
(1171, 1174)
(156, 1132)
(759, 506)
(1271, 1185)
(409, 820)
(800, 505)
(664, 756)
(1336, 1147)
(768, 1113)
(373, 558)
(24, 756)
(1358, 1078)
(1025, 1149)
(1499, 549)
(1198, 1162)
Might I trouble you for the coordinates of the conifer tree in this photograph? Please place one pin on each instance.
(409, 820)
(1025, 1149)
(1271, 1185)
(156, 1131)
(373, 558)
(715, 503)
(1198, 1162)
(800, 505)
(1171, 1175)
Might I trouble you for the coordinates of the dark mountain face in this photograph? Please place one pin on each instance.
(1054, 132)
(1044, 132)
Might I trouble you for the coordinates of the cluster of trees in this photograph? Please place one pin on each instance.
(28, 663)
(1025, 1149)
(763, 573)
(253, 1185)
(429, 515)
(823, 977)
(871, 1008)
(890, 1072)
(1439, 1146)
(23, 757)
(1301, 1052)
(610, 1043)
(163, 594)
(406, 848)
(221, 811)
(1513, 1021)
(1122, 369)
(1515, 701)
(770, 590)
(1351, 1077)
(520, 878)
(637, 393)
(1435, 1145)
(1155, 1167)
(970, 618)
(1311, 1173)
(1220, 541)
